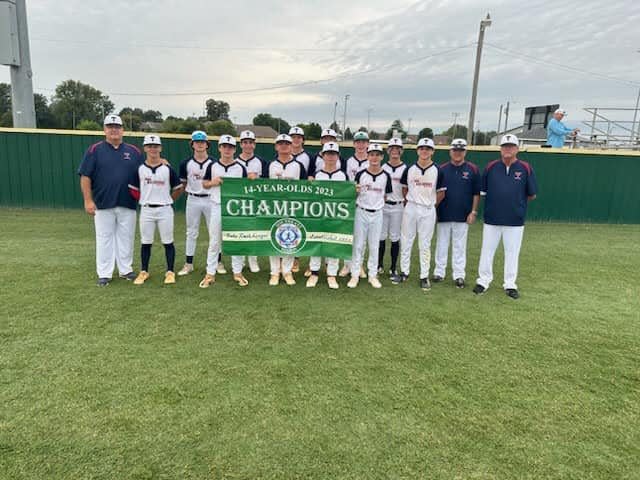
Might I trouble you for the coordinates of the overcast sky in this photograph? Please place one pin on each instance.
(401, 58)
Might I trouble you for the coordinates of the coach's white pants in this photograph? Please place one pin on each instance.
(197, 207)
(456, 233)
(421, 220)
(366, 231)
(115, 232)
(281, 264)
(215, 243)
(332, 265)
(392, 222)
(162, 217)
(511, 241)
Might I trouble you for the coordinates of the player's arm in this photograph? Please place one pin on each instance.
(473, 214)
(207, 181)
(404, 181)
(441, 188)
(176, 184)
(85, 187)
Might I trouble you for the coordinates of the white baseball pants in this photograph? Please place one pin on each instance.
(421, 220)
(281, 264)
(392, 222)
(162, 217)
(115, 232)
(332, 265)
(215, 243)
(197, 207)
(511, 241)
(366, 232)
(456, 234)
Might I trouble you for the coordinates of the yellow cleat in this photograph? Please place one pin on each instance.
(207, 281)
(312, 281)
(288, 279)
(353, 283)
(296, 266)
(141, 278)
(344, 271)
(274, 280)
(333, 283)
(186, 270)
(307, 272)
(240, 279)
(220, 269)
(375, 283)
(169, 278)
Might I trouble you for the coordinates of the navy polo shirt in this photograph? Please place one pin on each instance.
(110, 170)
(506, 191)
(463, 182)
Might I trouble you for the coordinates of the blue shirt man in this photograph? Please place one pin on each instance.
(557, 131)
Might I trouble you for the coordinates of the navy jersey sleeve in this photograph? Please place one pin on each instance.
(303, 172)
(477, 181)
(357, 177)
(343, 164)
(389, 188)
(440, 182)
(183, 170)
(484, 182)
(244, 171)
(312, 167)
(404, 179)
(134, 179)
(137, 153)
(174, 180)
(207, 173)
(532, 184)
(88, 165)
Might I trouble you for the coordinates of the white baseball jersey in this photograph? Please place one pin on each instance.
(292, 170)
(354, 166)
(217, 169)
(253, 165)
(192, 172)
(155, 184)
(373, 189)
(304, 158)
(335, 176)
(422, 184)
(396, 174)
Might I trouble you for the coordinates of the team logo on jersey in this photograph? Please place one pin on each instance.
(517, 175)
(288, 236)
(126, 155)
(465, 175)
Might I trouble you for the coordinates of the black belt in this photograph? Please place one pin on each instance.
(199, 194)
(368, 210)
(154, 205)
(392, 203)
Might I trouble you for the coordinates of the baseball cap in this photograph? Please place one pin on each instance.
(374, 147)
(360, 136)
(329, 132)
(296, 131)
(226, 140)
(199, 136)
(112, 120)
(426, 142)
(247, 135)
(459, 144)
(151, 140)
(395, 142)
(283, 137)
(509, 139)
(559, 110)
(331, 147)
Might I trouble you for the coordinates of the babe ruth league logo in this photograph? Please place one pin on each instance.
(288, 236)
(518, 175)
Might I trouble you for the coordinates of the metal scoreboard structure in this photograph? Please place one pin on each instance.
(14, 52)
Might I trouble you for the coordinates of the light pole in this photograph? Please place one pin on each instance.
(344, 119)
(335, 112)
(499, 120)
(455, 124)
(474, 93)
(409, 126)
(369, 110)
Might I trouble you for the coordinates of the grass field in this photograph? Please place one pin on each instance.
(176, 382)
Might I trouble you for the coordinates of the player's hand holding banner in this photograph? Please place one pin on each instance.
(287, 217)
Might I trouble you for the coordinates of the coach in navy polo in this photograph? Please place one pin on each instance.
(456, 212)
(508, 185)
(105, 172)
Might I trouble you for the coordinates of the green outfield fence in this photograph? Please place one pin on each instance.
(39, 168)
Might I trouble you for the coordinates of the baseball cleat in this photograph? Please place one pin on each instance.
(399, 278)
(459, 282)
(169, 278)
(353, 283)
(207, 281)
(253, 265)
(288, 279)
(186, 270)
(375, 283)
(103, 282)
(240, 279)
(220, 269)
(479, 289)
(344, 271)
(363, 274)
(274, 280)
(425, 284)
(307, 272)
(296, 266)
(333, 283)
(380, 270)
(437, 279)
(128, 276)
(393, 273)
(512, 293)
(141, 278)
(312, 281)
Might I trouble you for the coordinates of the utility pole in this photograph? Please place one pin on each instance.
(455, 123)
(344, 120)
(369, 110)
(499, 120)
(635, 116)
(506, 118)
(474, 92)
(335, 113)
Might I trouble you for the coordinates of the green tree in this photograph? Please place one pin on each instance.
(5, 98)
(132, 118)
(312, 131)
(396, 125)
(75, 100)
(152, 116)
(363, 129)
(268, 120)
(456, 131)
(221, 127)
(335, 127)
(373, 135)
(44, 118)
(6, 119)
(88, 125)
(347, 134)
(217, 110)
(425, 133)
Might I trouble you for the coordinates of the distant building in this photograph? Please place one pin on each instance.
(259, 130)
(151, 126)
(442, 139)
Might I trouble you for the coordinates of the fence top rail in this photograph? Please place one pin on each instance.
(316, 143)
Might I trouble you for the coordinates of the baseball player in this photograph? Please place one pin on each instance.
(373, 184)
(456, 212)
(356, 162)
(393, 206)
(424, 188)
(330, 172)
(317, 164)
(297, 150)
(508, 185)
(105, 172)
(227, 166)
(192, 172)
(255, 169)
(156, 185)
(284, 167)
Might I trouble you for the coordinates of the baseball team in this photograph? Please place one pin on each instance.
(395, 201)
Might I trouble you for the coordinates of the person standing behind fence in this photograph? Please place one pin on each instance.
(556, 130)
(105, 172)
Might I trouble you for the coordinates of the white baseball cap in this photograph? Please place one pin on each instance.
(374, 147)
(151, 140)
(559, 110)
(426, 142)
(247, 135)
(296, 131)
(395, 142)
(329, 132)
(459, 144)
(509, 139)
(226, 140)
(113, 120)
(283, 137)
(331, 147)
